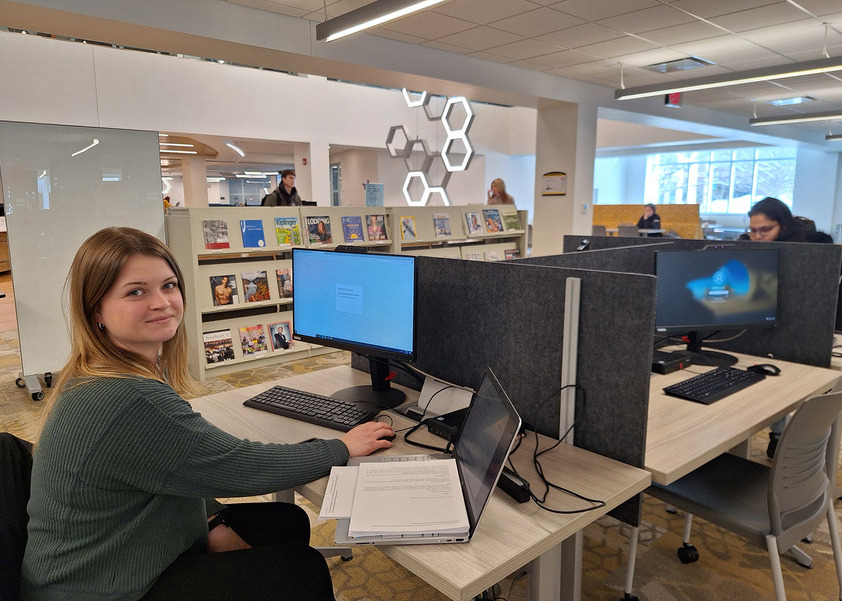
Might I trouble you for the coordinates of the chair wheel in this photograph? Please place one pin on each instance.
(629, 597)
(687, 553)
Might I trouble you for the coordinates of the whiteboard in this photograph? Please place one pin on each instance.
(60, 185)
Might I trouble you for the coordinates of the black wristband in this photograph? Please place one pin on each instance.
(217, 519)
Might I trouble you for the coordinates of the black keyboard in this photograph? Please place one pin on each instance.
(311, 408)
(714, 385)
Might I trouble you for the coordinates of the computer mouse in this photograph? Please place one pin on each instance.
(767, 369)
(389, 438)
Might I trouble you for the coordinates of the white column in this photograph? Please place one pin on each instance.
(195, 177)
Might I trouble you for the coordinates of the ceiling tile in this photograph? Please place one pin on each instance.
(651, 57)
(590, 10)
(680, 34)
(821, 8)
(555, 60)
(522, 49)
(791, 37)
(400, 37)
(615, 48)
(428, 25)
(484, 12)
(647, 19)
(725, 49)
(480, 38)
(713, 8)
(754, 18)
(581, 35)
(538, 22)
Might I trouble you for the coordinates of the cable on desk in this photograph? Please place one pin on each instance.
(536, 454)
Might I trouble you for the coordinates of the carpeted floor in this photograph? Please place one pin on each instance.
(728, 568)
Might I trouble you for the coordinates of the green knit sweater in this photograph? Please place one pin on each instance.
(118, 481)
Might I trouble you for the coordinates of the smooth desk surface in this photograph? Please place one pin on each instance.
(682, 435)
(509, 536)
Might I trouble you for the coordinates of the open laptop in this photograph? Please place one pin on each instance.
(488, 433)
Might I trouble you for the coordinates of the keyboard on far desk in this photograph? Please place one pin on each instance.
(310, 407)
(714, 385)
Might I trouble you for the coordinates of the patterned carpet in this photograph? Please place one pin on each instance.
(728, 568)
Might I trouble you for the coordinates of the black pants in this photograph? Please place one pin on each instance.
(281, 565)
(15, 474)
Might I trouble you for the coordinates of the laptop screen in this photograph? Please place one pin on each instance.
(484, 443)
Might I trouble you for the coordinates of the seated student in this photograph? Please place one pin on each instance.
(650, 220)
(123, 464)
(286, 194)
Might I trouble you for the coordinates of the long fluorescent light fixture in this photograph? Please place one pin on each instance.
(800, 118)
(86, 148)
(823, 65)
(833, 137)
(370, 15)
(235, 149)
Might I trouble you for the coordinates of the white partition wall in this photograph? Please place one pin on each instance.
(60, 185)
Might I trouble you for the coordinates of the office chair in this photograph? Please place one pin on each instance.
(15, 473)
(772, 507)
(599, 230)
(628, 231)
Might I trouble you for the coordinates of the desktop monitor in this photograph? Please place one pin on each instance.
(702, 291)
(361, 302)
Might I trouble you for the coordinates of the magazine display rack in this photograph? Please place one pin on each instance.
(237, 266)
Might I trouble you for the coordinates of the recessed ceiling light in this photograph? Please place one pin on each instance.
(791, 101)
(681, 64)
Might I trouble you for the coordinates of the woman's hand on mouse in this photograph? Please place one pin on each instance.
(367, 438)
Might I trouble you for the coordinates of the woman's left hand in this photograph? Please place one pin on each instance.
(223, 538)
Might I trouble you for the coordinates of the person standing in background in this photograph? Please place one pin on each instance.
(285, 195)
(497, 195)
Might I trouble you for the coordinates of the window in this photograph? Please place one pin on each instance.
(721, 181)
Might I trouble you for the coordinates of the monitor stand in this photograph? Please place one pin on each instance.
(707, 357)
(380, 393)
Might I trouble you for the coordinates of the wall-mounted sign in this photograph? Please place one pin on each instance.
(373, 195)
(554, 183)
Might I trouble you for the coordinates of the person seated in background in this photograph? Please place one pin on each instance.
(497, 195)
(770, 220)
(650, 220)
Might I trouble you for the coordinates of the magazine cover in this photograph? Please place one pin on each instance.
(218, 346)
(512, 253)
(215, 232)
(255, 286)
(512, 220)
(441, 224)
(319, 230)
(376, 225)
(252, 233)
(352, 227)
(493, 223)
(473, 256)
(224, 290)
(473, 221)
(284, 282)
(408, 228)
(253, 340)
(280, 336)
(492, 255)
(286, 228)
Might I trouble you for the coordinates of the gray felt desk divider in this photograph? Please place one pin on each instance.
(509, 316)
(807, 295)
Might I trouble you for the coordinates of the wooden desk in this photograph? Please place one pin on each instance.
(682, 435)
(509, 536)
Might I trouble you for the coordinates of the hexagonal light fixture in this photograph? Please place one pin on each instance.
(445, 116)
(396, 142)
(408, 182)
(426, 158)
(445, 199)
(466, 156)
(422, 99)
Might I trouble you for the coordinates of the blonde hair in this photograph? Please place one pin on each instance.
(93, 354)
(503, 194)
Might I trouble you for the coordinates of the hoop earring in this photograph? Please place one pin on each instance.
(101, 326)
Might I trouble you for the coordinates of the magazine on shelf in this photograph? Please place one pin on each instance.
(408, 228)
(280, 336)
(215, 232)
(493, 223)
(224, 290)
(492, 255)
(473, 256)
(352, 228)
(252, 230)
(512, 253)
(376, 226)
(512, 220)
(473, 222)
(287, 230)
(255, 286)
(218, 346)
(319, 230)
(441, 224)
(284, 282)
(253, 340)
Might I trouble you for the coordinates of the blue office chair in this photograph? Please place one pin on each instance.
(772, 507)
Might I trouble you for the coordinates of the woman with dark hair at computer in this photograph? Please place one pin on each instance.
(650, 220)
(123, 464)
(770, 220)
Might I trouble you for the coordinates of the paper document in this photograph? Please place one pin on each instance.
(416, 497)
(339, 496)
